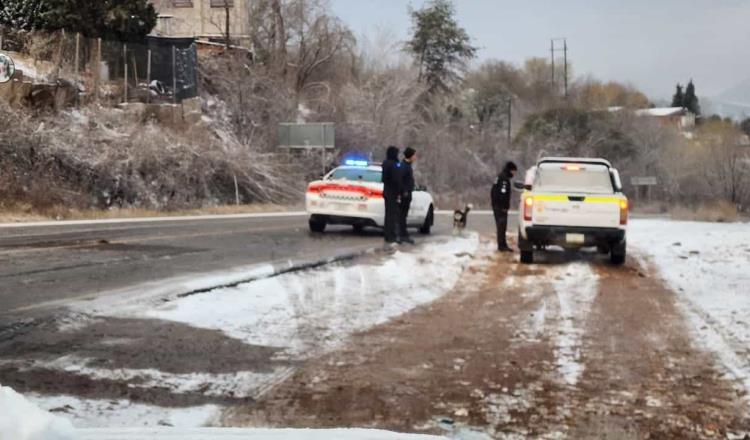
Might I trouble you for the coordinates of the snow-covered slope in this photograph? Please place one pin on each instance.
(708, 267)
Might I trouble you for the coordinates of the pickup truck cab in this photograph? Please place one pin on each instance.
(573, 203)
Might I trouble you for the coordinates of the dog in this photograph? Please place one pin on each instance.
(460, 219)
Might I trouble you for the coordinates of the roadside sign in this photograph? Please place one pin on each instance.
(307, 136)
(7, 68)
(643, 181)
(316, 136)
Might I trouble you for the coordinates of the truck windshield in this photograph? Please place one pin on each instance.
(589, 179)
(357, 174)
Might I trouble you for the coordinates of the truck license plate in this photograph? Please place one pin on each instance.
(575, 238)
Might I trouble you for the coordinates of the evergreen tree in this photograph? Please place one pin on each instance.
(691, 99)
(678, 100)
(126, 20)
(440, 46)
(23, 14)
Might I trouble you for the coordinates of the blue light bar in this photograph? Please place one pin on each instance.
(356, 163)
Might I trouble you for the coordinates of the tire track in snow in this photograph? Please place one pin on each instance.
(562, 298)
(576, 286)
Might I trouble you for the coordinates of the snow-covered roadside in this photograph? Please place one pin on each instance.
(708, 267)
(318, 309)
(249, 434)
(22, 420)
(302, 313)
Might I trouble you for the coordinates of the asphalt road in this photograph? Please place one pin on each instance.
(41, 266)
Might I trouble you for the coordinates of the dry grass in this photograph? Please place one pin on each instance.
(721, 211)
(27, 214)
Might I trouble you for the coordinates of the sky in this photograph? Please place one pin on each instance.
(650, 44)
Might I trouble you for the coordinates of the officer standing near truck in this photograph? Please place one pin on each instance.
(392, 190)
(501, 194)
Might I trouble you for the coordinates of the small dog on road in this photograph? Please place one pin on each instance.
(460, 219)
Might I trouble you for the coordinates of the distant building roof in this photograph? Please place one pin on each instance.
(662, 111)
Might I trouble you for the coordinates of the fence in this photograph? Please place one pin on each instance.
(154, 70)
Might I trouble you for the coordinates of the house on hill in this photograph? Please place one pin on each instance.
(204, 20)
(678, 117)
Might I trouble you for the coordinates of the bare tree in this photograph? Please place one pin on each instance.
(316, 39)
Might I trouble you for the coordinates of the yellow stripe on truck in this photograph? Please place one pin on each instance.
(564, 198)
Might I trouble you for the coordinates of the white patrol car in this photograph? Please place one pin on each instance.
(352, 194)
(573, 203)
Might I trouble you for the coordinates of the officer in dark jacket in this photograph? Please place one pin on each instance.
(392, 190)
(501, 193)
(407, 180)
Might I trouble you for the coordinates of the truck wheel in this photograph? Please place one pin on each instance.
(317, 225)
(618, 253)
(527, 249)
(428, 221)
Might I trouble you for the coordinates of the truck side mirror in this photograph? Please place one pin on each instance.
(616, 180)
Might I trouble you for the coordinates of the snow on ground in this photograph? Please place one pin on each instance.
(22, 420)
(576, 287)
(708, 266)
(100, 413)
(249, 434)
(318, 309)
(239, 384)
(305, 313)
(562, 316)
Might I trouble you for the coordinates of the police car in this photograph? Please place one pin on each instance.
(573, 203)
(352, 194)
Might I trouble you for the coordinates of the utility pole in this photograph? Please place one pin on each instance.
(565, 58)
(554, 48)
(510, 116)
(552, 59)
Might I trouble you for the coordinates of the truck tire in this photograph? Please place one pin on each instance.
(618, 253)
(428, 221)
(317, 224)
(527, 249)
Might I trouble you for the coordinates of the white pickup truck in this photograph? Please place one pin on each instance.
(573, 203)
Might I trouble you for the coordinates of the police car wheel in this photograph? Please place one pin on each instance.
(428, 221)
(317, 225)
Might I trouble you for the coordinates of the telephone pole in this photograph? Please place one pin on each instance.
(555, 48)
(510, 119)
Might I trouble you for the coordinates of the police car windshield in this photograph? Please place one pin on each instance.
(357, 174)
(566, 178)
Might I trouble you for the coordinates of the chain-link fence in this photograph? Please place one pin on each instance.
(155, 70)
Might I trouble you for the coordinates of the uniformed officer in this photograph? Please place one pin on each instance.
(501, 194)
(392, 190)
(407, 180)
